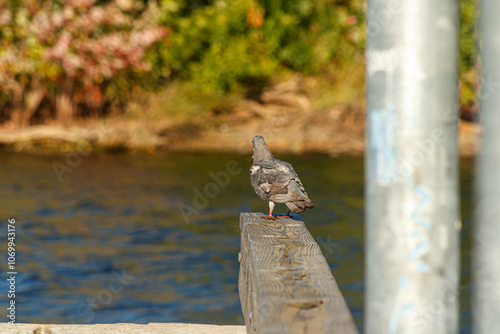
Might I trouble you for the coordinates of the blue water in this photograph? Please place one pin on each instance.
(110, 243)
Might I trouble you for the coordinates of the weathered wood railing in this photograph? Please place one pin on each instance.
(285, 284)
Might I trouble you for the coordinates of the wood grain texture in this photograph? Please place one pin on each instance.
(152, 328)
(285, 283)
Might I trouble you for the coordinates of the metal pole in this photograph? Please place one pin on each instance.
(486, 258)
(412, 204)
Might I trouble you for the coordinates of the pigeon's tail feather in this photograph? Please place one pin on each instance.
(301, 200)
(300, 206)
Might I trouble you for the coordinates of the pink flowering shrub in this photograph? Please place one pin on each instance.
(69, 51)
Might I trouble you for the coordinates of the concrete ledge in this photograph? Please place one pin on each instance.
(152, 328)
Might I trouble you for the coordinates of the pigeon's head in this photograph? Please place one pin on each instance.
(260, 150)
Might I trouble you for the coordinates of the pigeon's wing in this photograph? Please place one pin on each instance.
(294, 192)
(267, 180)
(276, 181)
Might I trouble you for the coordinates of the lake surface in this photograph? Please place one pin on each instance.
(155, 238)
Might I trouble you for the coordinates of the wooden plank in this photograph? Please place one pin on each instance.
(152, 328)
(285, 283)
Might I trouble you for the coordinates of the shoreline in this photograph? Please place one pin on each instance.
(317, 137)
(289, 115)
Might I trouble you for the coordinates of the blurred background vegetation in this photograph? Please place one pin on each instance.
(83, 59)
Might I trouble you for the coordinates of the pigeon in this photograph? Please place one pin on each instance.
(275, 181)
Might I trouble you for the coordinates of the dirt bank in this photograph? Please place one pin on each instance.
(331, 132)
(284, 115)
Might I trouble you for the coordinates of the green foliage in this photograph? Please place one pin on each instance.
(468, 18)
(467, 33)
(240, 46)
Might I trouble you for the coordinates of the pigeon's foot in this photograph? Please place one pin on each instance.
(287, 215)
(268, 217)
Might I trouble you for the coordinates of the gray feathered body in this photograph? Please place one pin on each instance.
(276, 181)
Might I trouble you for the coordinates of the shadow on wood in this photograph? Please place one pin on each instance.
(285, 283)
